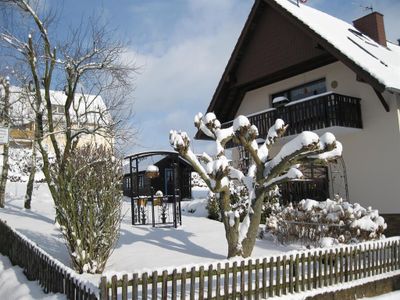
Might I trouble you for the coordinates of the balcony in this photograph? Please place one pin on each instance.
(328, 110)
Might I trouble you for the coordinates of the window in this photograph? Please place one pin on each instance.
(302, 91)
(141, 181)
(128, 183)
(58, 109)
(169, 175)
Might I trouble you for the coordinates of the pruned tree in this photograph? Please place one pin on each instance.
(263, 175)
(4, 122)
(87, 67)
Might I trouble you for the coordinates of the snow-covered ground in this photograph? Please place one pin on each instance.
(14, 285)
(198, 240)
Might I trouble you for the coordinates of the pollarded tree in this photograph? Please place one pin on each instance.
(263, 175)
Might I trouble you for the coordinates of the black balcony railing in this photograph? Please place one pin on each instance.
(310, 114)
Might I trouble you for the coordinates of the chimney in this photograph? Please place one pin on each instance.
(373, 26)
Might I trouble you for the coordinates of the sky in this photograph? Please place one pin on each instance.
(181, 48)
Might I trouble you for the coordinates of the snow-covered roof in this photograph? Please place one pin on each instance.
(382, 63)
(83, 103)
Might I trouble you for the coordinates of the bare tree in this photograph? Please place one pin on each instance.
(4, 121)
(263, 175)
(88, 67)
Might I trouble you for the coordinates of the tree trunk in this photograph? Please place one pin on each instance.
(232, 237)
(231, 232)
(4, 175)
(4, 120)
(250, 240)
(31, 180)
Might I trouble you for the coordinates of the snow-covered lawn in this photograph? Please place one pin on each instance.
(199, 240)
(14, 285)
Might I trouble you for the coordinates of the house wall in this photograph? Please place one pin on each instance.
(98, 139)
(371, 155)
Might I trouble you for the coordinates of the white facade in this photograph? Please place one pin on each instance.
(371, 154)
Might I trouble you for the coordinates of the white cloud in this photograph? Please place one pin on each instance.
(179, 81)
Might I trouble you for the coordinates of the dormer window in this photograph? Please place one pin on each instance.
(299, 92)
(58, 109)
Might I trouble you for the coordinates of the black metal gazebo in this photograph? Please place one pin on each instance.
(156, 181)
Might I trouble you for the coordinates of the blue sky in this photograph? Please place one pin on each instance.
(181, 48)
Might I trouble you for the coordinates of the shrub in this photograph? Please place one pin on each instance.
(20, 165)
(311, 221)
(88, 210)
(212, 207)
(239, 200)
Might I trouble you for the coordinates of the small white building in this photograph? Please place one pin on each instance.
(337, 77)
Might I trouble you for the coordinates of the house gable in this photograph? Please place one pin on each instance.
(281, 40)
(269, 49)
(274, 45)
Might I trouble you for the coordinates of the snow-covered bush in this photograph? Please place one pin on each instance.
(196, 180)
(311, 222)
(239, 200)
(212, 207)
(20, 164)
(89, 207)
(238, 196)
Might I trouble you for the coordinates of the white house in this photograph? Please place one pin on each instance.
(87, 112)
(333, 76)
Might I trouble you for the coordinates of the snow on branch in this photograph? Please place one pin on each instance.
(211, 127)
(331, 147)
(276, 131)
(292, 174)
(305, 141)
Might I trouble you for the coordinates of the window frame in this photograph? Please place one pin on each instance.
(286, 92)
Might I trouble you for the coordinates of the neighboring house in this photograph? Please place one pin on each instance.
(319, 73)
(88, 111)
(173, 169)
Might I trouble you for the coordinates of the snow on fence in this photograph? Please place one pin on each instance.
(53, 276)
(259, 278)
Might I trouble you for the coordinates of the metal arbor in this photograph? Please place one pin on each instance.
(155, 183)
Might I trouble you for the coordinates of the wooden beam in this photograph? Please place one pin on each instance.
(382, 99)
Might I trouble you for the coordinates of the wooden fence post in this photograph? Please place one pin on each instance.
(164, 285)
(226, 280)
(271, 277)
(210, 281)
(114, 287)
(278, 277)
(103, 288)
(154, 291)
(183, 284)
(201, 283)
(125, 287)
(218, 282)
(192, 283)
(291, 268)
(297, 271)
(174, 284)
(144, 285)
(234, 280)
(135, 284)
(264, 278)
